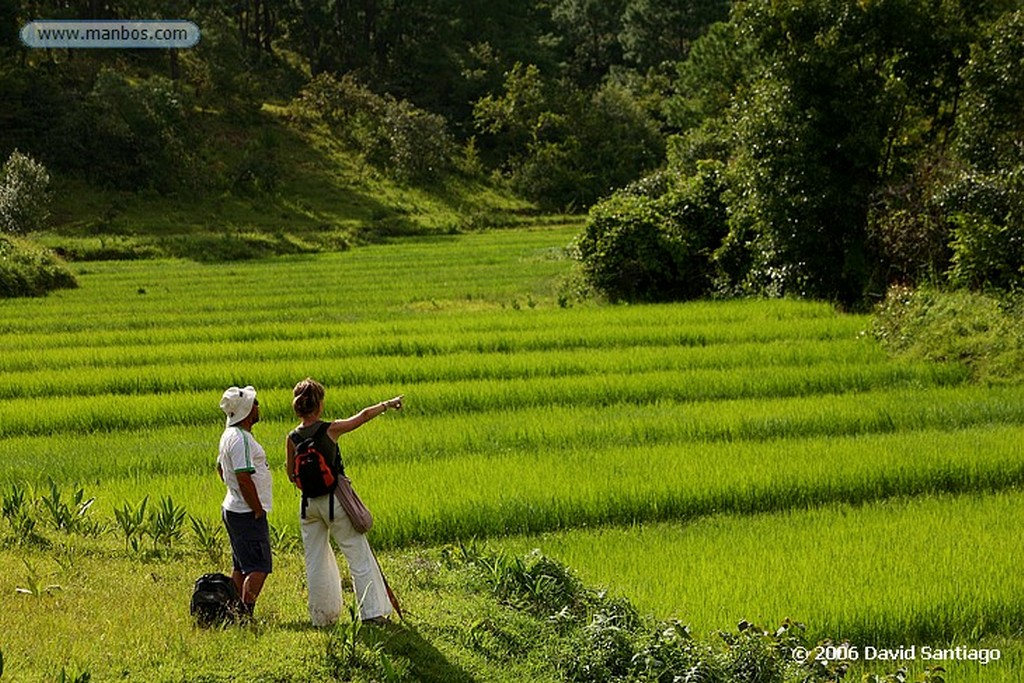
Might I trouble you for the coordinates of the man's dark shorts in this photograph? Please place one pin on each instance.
(250, 542)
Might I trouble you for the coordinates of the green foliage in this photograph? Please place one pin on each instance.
(638, 248)
(407, 142)
(659, 32)
(909, 227)
(67, 516)
(19, 511)
(810, 137)
(354, 650)
(989, 125)
(209, 539)
(28, 270)
(984, 203)
(343, 651)
(74, 676)
(987, 255)
(412, 144)
(565, 147)
(24, 510)
(541, 586)
(165, 524)
(24, 195)
(132, 522)
(718, 65)
(625, 251)
(979, 330)
(833, 120)
(132, 135)
(283, 538)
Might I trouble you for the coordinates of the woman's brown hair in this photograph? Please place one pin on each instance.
(309, 395)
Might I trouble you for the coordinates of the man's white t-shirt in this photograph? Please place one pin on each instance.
(240, 452)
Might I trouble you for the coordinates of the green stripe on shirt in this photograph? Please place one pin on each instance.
(248, 458)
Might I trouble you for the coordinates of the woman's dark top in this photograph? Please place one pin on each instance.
(323, 442)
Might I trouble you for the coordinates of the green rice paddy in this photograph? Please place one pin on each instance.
(712, 461)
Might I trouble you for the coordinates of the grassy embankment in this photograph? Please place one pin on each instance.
(324, 197)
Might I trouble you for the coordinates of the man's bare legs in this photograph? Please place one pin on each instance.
(249, 587)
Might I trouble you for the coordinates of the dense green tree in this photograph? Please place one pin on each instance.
(588, 31)
(655, 243)
(986, 201)
(834, 120)
(718, 67)
(849, 91)
(24, 195)
(990, 122)
(131, 135)
(658, 32)
(563, 146)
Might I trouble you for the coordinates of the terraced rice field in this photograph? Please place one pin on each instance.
(712, 461)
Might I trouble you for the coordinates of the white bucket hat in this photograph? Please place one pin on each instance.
(237, 403)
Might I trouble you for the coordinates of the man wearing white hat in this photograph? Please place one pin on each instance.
(242, 464)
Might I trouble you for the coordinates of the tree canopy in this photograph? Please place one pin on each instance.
(864, 142)
(854, 142)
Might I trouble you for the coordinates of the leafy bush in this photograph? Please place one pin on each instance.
(406, 142)
(639, 247)
(607, 641)
(413, 144)
(986, 210)
(24, 195)
(983, 332)
(131, 135)
(625, 251)
(27, 270)
(565, 147)
(908, 226)
(987, 254)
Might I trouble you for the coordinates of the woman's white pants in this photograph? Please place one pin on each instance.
(322, 575)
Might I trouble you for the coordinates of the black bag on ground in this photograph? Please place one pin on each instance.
(215, 600)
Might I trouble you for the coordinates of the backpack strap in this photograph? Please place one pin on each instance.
(297, 438)
(322, 428)
(320, 432)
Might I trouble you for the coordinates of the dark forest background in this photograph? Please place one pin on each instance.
(821, 148)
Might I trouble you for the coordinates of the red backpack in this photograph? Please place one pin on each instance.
(314, 473)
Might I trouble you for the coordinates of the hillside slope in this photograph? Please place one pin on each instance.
(290, 186)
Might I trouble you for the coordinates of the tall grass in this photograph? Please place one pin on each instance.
(523, 489)
(521, 416)
(474, 418)
(930, 570)
(278, 366)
